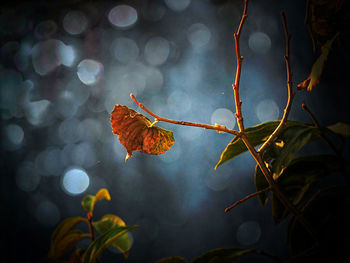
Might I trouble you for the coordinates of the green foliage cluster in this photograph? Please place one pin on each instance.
(111, 228)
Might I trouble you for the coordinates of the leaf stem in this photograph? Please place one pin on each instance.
(91, 228)
(219, 128)
(246, 198)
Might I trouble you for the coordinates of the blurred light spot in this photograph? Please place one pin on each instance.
(191, 134)
(125, 50)
(48, 162)
(248, 233)
(132, 82)
(223, 116)
(153, 12)
(156, 51)
(171, 155)
(14, 133)
(47, 213)
(37, 112)
(178, 5)
(154, 79)
(122, 16)
(75, 22)
(267, 110)
(66, 105)
(217, 181)
(21, 59)
(45, 29)
(199, 35)
(66, 55)
(179, 103)
(70, 130)
(47, 56)
(90, 71)
(91, 129)
(259, 42)
(83, 155)
(27, 179)
(75, 181)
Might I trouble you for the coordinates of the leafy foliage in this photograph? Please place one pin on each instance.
(136, 132)
(113, 232)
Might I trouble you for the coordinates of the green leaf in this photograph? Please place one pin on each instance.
(68, 242)
(256, 135)
(317, 68)
(106, 223)
(299, 179)
(175, 259)
(103, 241)
(89, 201)
(62, 230)
(292, 141)
(340, 128)
(86, 203)
(260, 184)
(227, 255)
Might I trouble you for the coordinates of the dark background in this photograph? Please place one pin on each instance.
(177, 198)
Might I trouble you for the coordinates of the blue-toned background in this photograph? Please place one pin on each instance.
(65, 64)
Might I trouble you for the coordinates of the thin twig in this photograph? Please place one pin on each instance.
(246, 198)
(324, 137)
(235, 86)
(290, 92)
(91, 228)
(218, 128)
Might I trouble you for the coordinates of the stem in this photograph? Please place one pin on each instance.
(290, 92)
(218, 128)
(235, 86)
(308, 26)
(91, 228)
(327, 140)
(246, 198)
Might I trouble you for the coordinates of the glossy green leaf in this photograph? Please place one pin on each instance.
(299, 179)
(227, 255)
(317, 68)
(175, 259)
(68, 242)
(340, 128)
(106, 223)
(260, 184)
(292, 141)
(89, 201)
(103, 241)
(62, 230)
(256, 136)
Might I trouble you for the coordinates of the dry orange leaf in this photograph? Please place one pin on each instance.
(136, 132)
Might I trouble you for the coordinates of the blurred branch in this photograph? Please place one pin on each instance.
(218, 128)
(308, 25)
(91, 228)
(247, 197)
(290, 92)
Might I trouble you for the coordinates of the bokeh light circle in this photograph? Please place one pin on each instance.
(267, 110)
(14, 133)
(75, 181)
(123, 16)
(199, 35)
(223, 116)
(156, 51)
(248, 233)
(27, 178)
(47, 213)
(90, 71)
(45, 29)
(125, 50)
(177, 5)
(75, 22)
(259, 42)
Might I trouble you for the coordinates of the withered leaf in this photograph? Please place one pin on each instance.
(317, 68)
(136, 132)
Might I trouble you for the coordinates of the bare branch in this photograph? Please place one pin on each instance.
(290, 92)
(218, 128)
